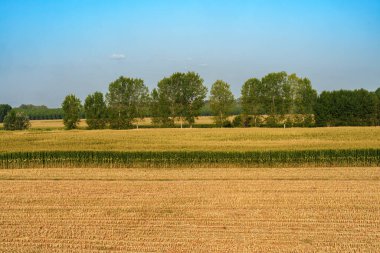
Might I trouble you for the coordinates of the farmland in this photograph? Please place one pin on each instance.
(237, 139)
(181, 190)
(182, 210)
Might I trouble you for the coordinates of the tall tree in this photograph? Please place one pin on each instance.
(127, 100)
(304, 99)
(140, 103)
(346, 108)
(181, 97)
(95, 111)
(4, 109)
(221, 101)
(304, 96)
(16, 121)
(159, 110)
(71, 111)
(377, 92)
(277, 93)
(252, 102)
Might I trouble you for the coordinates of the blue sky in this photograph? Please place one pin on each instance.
(49, 49)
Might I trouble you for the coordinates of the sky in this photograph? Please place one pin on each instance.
(49, 49)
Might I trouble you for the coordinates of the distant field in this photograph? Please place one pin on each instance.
(190, 210)
(236, 139)
(58, 123)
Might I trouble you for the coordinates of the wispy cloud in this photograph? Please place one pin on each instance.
(203, 64)
(117, 56)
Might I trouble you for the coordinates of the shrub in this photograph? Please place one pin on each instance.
(16, 121)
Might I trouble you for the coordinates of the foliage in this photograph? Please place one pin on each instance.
(180, 96)
(4, 109)
(16, 121)
(278, 94)
(252, 94)
(71, 107)
(96, 111)
(40, 112)
(235, 108)
(346, 108)
(127, 99)
(221, 102)
(304, 97)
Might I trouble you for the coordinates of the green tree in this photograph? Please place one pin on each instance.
(16, 121)
(159, 111)
(128, 100)
(181, 96)
(221, 101)
(140, 103)
(304, 98)
(96, 111)
(71, 107)
(276, 93)
(346, 108)
(303, 95)
(4, 109)
(252, 99)
(377, 92)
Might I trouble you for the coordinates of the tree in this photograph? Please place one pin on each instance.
(221, 101)
(4, 109)
(96, 111)
(346, 108)
(304, 98)
(276, 93)
(128, 100)
(16, 121)
(377, 92)
(159, 111)
(252, 94)
(140, 103)
(71, 107)
(181, 96)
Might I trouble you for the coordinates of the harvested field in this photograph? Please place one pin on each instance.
(182, 210)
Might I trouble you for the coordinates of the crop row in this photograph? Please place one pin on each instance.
(110, 159)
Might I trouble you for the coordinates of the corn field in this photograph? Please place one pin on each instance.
(111, 159)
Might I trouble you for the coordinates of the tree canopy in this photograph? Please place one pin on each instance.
(346, 108)
(4, 109)
(127, 100)
(180, 96)
(72, 109)
(95, 109)
(221, 101)
(16, 121)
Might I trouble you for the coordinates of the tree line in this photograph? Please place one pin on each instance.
(277, 99)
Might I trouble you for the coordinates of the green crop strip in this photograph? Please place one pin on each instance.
(111, 159)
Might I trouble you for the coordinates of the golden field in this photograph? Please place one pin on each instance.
(190, 210)
(196, 139)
